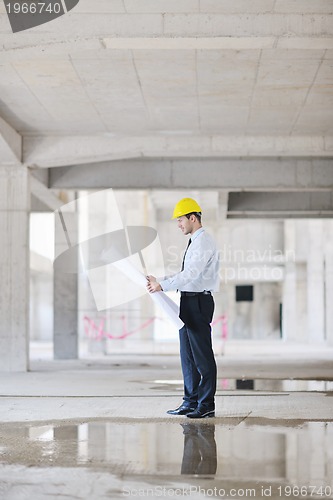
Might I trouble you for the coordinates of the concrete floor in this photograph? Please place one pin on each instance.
(98, 429)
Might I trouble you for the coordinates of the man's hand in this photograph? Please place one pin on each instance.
(152, 285)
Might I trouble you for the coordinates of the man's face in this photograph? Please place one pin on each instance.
(185, 224)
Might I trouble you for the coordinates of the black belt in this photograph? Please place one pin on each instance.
(192, 294)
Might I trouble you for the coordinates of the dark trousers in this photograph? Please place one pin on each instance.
(200, 453)
(196, 352)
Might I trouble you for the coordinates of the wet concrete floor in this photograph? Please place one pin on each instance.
(248, 384)
(69, 431)
(107, 459)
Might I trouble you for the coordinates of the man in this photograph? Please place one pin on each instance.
(196, 280)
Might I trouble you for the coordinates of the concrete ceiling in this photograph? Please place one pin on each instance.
(171, 93)
(128, 79)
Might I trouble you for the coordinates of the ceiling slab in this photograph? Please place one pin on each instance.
(247, 92)
(171, 79)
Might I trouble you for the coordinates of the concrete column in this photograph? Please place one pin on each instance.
(329, 281)
(98, 444)
(67, 436)
(289, 313)
(149, 218)
(65, 293)
(315, 283)
(14, 268)
(92, 212)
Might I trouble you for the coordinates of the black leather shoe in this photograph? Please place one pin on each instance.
(203, 413)
(181, 410)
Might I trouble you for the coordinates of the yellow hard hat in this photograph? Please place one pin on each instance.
(184, 207)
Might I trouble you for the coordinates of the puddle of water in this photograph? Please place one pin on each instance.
(283, 385)
(300, 454)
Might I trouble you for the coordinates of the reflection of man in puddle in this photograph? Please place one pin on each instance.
(199, 449)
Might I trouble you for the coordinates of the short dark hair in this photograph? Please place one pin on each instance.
(197, 214)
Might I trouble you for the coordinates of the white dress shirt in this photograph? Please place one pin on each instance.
(201, 267)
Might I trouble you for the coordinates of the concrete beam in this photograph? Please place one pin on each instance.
(260, 174)
(152, 24)
(43, 199)
(37, 205)
(64, 47)
(218, 43)
(10, 145)
(54, 151)
(282, 205)
(179, 24)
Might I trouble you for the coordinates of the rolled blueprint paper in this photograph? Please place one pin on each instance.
(160, 298)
